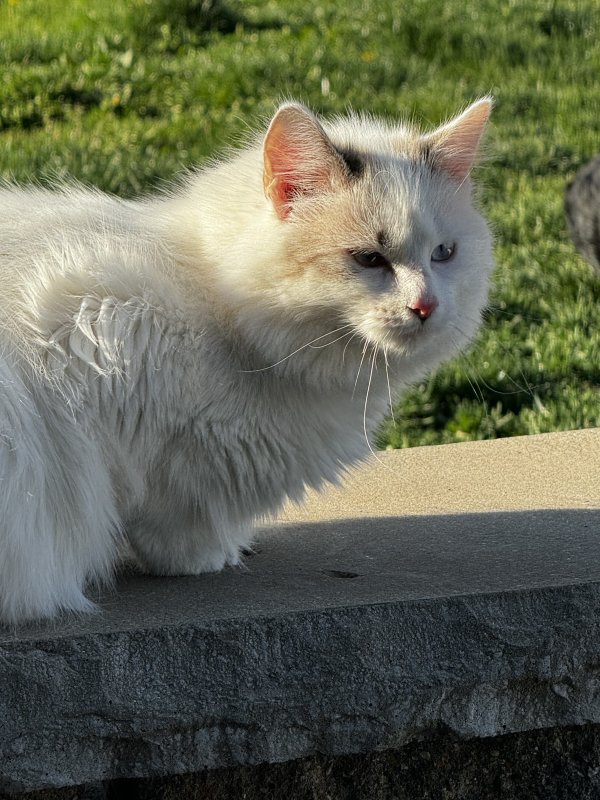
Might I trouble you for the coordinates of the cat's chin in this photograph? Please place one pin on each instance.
(418, 344)
(402, 339)
(405, 346)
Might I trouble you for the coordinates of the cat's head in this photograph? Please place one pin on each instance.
(379, 228)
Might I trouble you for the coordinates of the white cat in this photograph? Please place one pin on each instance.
(173, 368)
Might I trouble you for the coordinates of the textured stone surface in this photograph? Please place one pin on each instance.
(555, 764)
(344, 634)
(537, 765)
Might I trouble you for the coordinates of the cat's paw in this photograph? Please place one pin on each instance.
(160, 548)
(174, 565)
(19, 608)
(175, 562)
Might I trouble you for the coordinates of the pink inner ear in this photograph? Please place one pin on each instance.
(457, 165)
(282, 181)
(282, 188)
(283, 161)
(456, 144)
(298, 158)
(285, 191)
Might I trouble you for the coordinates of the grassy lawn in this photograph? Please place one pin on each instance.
(125, 95)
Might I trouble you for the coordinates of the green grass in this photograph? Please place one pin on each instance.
(126, 95)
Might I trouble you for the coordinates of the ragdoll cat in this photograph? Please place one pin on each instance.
(174, 368)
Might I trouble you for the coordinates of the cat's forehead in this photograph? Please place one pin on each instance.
(401, 201)
(371, 136)
(399, 192)
(388, 160)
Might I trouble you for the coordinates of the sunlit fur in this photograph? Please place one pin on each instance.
(172, 369)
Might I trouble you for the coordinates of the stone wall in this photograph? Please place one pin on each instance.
(369, 635)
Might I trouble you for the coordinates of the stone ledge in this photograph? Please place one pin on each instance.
(547, 764)
(452, 588)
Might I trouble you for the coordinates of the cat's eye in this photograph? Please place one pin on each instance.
(443, 252)
(370, 259)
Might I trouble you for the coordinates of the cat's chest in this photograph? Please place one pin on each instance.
(288, 434)
(270, 449)
(170, 402)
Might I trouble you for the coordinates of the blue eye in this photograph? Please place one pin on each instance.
(443, 252)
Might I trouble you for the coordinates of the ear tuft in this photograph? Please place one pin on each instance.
(299, 158)
(454, 146)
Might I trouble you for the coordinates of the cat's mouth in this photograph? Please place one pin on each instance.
(409, 335)
(406, 330)
(399, 336)
(396, 331)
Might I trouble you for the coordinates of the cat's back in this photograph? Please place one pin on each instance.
(77, 235)
(37, 223)
(65, 251)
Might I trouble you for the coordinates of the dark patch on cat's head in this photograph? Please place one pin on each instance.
(427, 155)
(353, 161)
(383, 239)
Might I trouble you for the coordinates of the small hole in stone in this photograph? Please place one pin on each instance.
(339, 573)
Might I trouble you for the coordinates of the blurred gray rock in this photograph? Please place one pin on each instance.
(582, 207)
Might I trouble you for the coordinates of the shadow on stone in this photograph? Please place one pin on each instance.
(477, 624)
(537, 765)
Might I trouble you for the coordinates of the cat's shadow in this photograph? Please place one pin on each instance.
(355, 561)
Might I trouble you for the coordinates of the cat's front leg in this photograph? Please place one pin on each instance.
(59, 527)
(172, 543)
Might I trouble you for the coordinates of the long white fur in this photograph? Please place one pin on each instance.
(173, 368)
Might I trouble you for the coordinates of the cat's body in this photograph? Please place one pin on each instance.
(156, 386)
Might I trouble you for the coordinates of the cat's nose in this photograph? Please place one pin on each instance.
(424, 307)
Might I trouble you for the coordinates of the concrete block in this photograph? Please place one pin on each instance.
(449, 588)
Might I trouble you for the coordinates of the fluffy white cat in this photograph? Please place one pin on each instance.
(173, 368)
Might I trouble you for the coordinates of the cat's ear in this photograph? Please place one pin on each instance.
(299, 158)
(454, 147)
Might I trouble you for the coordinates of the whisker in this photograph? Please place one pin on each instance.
(473, 382)
(360, 366)
(474, 386)
(527, 388)
(356, 333)
(373, 366)
(490, 310)
(477, 391)
(373, 356)
(387, 377)
(304, 346)
(321, 346)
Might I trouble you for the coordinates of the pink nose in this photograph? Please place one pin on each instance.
(424, 307)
